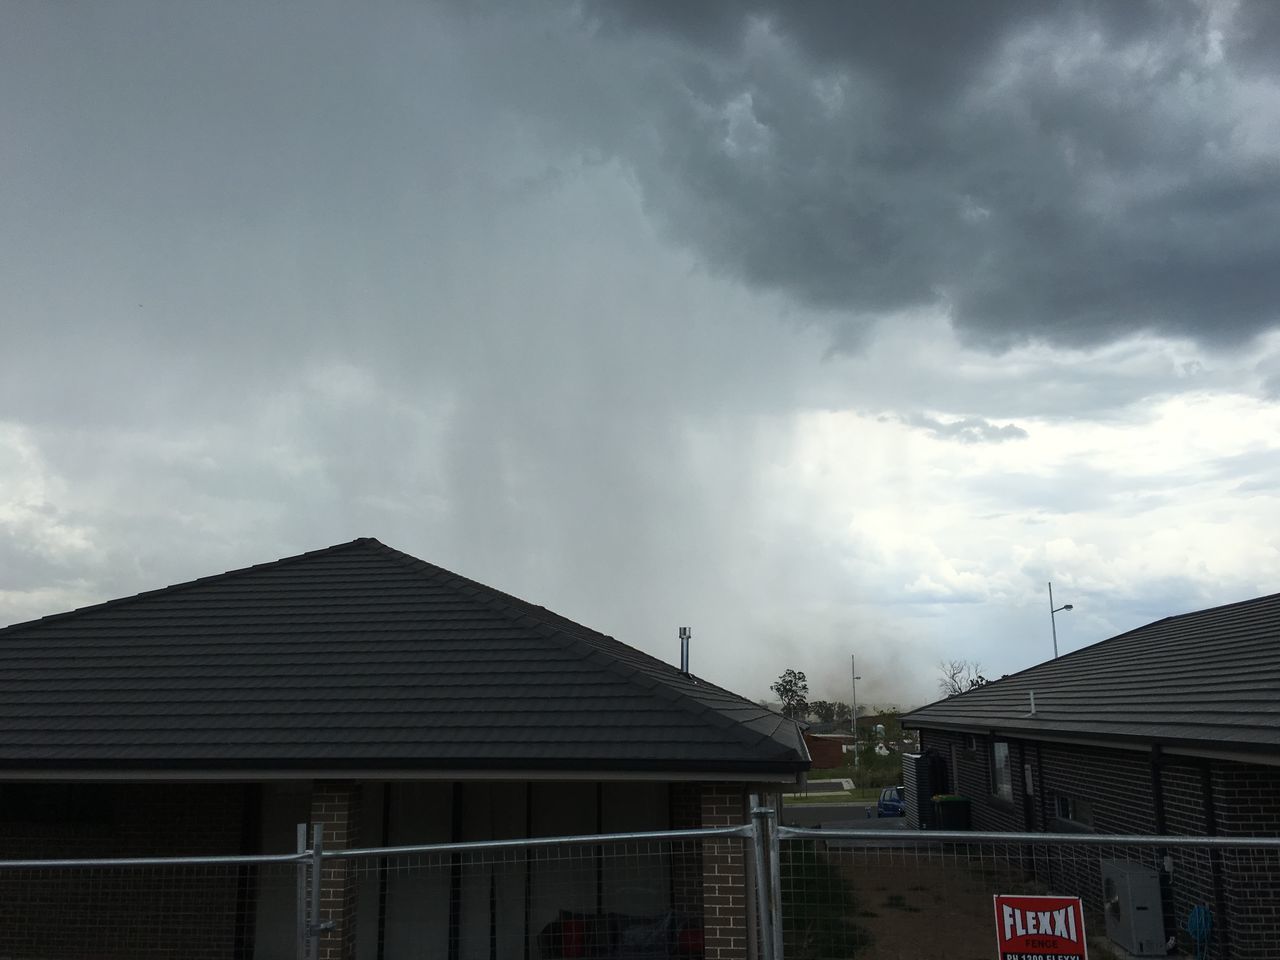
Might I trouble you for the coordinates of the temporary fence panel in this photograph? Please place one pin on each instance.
(674, 894)
(735, 893)
(877, 895)
(149, 909)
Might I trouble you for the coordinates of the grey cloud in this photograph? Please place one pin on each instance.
(1074, 173)
(1271, 386)
(966, 429)
(1257, 485)
(276, 277)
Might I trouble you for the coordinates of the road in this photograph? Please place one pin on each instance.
(844, 816)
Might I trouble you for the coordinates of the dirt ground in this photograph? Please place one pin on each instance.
(924, 908)
(923, 911)
(919, 909)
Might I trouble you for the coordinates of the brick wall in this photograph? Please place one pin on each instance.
(1246, 800)
(970, 775)
(827, 753)
(724, 874)
(1239, 887)
(336, 806)
(146, 913)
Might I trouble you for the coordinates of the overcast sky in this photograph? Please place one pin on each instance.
(823, 328)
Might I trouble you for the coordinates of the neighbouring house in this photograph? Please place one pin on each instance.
(1172, 728)
(828, 750)
(388, 699)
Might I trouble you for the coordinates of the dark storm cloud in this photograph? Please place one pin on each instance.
(1074, 173)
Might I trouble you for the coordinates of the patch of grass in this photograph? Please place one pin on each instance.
(827, 796)
(818, 906)
(835, 773)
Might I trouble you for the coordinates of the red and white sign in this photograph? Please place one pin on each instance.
(1039, 928)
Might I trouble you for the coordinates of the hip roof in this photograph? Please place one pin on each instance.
(360, 656)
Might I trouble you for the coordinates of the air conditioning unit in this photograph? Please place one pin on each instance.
(1131, 905)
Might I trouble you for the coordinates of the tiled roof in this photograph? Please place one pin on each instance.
(1209, 678)
(361, 656)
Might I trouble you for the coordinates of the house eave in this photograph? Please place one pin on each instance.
(1261, 753)
(781, 773)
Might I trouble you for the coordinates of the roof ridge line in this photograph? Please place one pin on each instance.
(1098, 643)
(183, 585)
(510, 604)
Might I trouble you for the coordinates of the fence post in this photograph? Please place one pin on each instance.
(300, 913)
(759, 830)
(775, 877)
(313, 919)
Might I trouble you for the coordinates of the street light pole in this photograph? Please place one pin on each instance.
(1053, 623)
(853, 672)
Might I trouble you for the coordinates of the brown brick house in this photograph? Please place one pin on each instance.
(358, 687)
(827, 750)
(1172, 728)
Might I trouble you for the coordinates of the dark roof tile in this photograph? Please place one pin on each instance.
(361, 655)
(1211, 677)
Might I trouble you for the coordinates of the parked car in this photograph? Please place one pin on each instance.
(891, 803)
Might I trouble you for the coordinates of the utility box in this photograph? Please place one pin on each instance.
(1132, 907)
(917, 791)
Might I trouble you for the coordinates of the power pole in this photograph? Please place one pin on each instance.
(853, 672)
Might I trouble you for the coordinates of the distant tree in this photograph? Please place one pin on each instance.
(824, 710)
(843, 713)
(792, 689)
(960, 676)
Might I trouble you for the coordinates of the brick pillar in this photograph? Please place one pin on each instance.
(724, 874)
(686, 858)
(336, 805)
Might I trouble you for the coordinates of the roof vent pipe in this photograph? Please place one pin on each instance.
(685, 635)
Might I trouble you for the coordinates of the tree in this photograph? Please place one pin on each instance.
(843, 712)
(960, 676)
(824, 710)
(793, 690)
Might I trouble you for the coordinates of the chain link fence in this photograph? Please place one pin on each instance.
(885, 895)
(675, 894)
(754, 892)
(652, 895)
(202, 908)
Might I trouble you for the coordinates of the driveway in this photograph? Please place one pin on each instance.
(840, 816)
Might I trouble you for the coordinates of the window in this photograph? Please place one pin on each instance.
(1073, 809)
(1001, 772)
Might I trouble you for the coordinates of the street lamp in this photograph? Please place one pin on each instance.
(1053, 622)
(853, 671)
